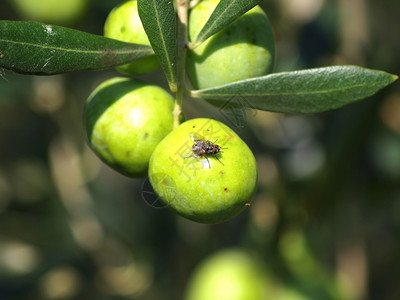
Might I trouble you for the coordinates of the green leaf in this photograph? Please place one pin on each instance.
(159, 22)
(304, 91)
(36, 48)
(225, 13)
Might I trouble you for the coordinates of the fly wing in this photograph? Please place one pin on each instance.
(195, 137)
(192, 149)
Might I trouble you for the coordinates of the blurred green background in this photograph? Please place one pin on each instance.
(325, 221)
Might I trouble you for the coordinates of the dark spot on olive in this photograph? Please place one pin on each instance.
(194, 126)
(146, 135)
(221, 172)
(128, 153)
(123, 29)
(226, 189)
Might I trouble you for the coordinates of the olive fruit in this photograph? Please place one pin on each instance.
(244, 49)
(237, 274)
(124, 24)
(230, 274)
(51, 11)
(125, 119)
(209, 188)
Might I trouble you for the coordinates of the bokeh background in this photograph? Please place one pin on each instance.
(325, 221)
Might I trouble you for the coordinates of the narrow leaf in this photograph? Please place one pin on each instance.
(304, 91)
(159, 21)
(225, 13)
(36, 48)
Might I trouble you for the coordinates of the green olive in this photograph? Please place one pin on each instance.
(230, 274)
(51, 11)
(238, 274)
(124, 24)
(244, 49)
(125, 119)
(209, 188)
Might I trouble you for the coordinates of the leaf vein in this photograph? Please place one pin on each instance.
(211, 27)
(162, 39)
(70, 50)
(315, 92)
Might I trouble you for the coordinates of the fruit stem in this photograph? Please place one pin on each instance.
(182, 41)
(194, 45)
(193, 3)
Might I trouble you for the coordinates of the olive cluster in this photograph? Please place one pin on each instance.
(201, 168)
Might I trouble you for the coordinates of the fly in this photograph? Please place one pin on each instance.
(203, 147)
